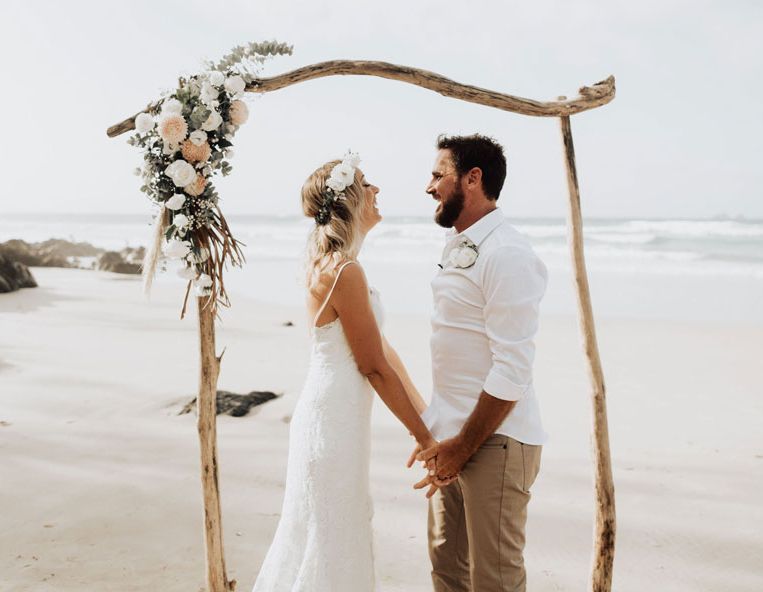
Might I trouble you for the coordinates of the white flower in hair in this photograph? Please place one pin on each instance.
(352, 158)
(343, 174)
(335, 184)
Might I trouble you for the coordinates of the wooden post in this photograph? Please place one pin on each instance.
(217, 580)
(604, 522)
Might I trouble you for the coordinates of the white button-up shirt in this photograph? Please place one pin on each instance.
(483, 325)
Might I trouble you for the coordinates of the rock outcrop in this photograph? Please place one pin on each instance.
(233, 404)
(57, 252)
(14, 275)
(128, 260)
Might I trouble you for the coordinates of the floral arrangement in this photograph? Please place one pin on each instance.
(187, 138)
(342, 176)
(464, 254)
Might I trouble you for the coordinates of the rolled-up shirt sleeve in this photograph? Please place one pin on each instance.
(513, 283)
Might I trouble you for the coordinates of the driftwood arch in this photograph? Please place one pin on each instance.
(589, 97)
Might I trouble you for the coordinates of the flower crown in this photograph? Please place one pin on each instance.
(342, 176)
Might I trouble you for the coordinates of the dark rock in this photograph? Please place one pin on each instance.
(54, 252)
(14, 275)
(233, 404)
(116, 262)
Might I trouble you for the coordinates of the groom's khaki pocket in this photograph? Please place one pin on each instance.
(530, 464)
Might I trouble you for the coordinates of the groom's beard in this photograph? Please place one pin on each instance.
(451, 209)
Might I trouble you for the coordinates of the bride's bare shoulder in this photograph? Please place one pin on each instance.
(351, 273)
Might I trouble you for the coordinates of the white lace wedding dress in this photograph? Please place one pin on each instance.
(324, 540)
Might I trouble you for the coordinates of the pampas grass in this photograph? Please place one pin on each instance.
(154, 250)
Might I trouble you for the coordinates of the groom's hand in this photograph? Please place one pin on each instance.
(451, 456)
(434, 484)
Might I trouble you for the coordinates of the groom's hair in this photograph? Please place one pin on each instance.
(481, 152)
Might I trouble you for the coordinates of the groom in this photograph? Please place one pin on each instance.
(483, 412)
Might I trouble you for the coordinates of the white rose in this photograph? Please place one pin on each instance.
(144, 123)
(177, 249)
(335, 184)
(343, 173)
(198, 137)
(213, 121)
(172, 106)
(216, 78)
(208, 93)
(180, 221)
(235, 85)
(463, 257)
(187, 273)
(181, 173)
(203, 281)
(175, 202)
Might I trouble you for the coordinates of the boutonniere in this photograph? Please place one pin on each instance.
(464, 254)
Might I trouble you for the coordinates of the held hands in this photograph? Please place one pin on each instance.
(443, 461)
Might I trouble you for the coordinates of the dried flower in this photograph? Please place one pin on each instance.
(173, 128)
(196, 153)
(239, 112)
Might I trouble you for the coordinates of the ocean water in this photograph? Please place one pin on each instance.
(666, 269)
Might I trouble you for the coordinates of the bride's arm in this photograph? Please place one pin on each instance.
(352, 304)
(397, 365)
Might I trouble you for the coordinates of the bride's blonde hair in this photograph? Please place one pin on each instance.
(340, 238)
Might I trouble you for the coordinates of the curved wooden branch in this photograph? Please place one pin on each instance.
(590, 97)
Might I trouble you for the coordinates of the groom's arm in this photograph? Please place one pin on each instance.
(453, 453)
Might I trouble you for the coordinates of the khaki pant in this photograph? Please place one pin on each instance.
(477, 523)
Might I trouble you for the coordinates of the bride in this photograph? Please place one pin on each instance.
(324, 540)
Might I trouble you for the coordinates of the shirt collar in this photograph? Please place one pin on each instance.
(478, 231)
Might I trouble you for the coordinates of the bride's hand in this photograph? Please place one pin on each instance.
(429, 443)
(434, 484)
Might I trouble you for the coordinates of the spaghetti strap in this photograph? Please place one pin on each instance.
(331, 291)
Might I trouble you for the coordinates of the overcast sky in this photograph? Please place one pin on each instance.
(683, 138)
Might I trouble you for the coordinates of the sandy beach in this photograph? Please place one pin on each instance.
(100, 482)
